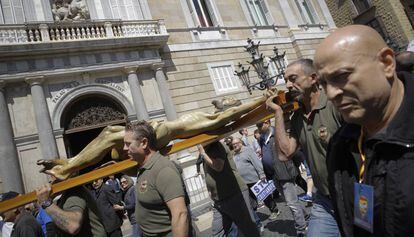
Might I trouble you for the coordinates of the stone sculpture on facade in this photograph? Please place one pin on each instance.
(111, 138)
(70, 10)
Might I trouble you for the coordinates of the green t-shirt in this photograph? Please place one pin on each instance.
(226, 183)
(313, 136)
(158, 182)
(79, 199)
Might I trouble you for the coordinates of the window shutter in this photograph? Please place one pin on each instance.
(107, 8)
(266, 11)
(130, 10)
(146, 12)
(29, 10)
(92, 9)
(313, 13)
(1, 16)
(138, 11)
(115, 8)
(122, 9)
(216, 79)
(193, 13)
(18, 11)
(302, 14)
(211, 12)
(251, 16)
(7, 11)
(13, 11)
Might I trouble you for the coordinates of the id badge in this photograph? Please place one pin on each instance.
(364, 206)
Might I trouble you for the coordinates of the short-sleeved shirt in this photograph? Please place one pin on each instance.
(313, 136)
(79, 199)
(158, 181)
(226, 183)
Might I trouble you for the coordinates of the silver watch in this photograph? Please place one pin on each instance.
(47, 203)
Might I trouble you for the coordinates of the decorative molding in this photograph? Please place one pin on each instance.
(157, 66)
(62, 89)
(223, 44)
(113, 82)
(93, 89)
(2, 84)
(35, 80)
(130, 70)
(78, 70)
(26, 140)
(226, 28)
(156, 113)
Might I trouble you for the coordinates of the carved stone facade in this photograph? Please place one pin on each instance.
(70, 10)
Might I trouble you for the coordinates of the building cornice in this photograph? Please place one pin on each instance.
(79, 70)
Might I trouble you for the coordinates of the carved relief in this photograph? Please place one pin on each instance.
(70, 10)
(114, 82)
(92, 112)
(61, 89)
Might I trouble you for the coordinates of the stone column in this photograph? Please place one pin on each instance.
(43, 122)
(137, 96)
(164, 92)
(11, 176)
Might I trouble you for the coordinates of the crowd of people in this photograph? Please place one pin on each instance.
(352, 134)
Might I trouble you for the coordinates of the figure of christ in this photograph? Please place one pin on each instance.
(111, 137)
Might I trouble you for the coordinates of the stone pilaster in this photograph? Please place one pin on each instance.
(43, 122)
(10, 173)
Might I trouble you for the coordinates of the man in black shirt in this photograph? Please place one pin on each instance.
(371, 159)
(106, 198)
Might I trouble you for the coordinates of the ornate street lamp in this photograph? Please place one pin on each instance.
(261, 66)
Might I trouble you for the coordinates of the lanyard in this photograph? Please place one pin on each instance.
(362, 155)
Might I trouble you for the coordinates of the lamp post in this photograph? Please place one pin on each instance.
(261, 66)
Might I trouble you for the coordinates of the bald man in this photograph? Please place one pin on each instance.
(370, 160)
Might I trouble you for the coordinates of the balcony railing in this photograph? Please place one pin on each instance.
(73, 31)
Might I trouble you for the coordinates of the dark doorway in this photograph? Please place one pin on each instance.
(85, 118)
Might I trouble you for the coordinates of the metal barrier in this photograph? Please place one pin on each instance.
(197, 192)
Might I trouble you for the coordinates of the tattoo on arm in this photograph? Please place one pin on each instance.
(64, 219)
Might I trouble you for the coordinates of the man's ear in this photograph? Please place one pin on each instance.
(144, 142)
(387, 57)
(314, 77)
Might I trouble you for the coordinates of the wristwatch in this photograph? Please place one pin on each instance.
(47, 203)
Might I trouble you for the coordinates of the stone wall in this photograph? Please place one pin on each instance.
(390, 12)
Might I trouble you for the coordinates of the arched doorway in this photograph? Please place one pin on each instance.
(85, 117)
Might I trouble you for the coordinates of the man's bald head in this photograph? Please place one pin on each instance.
(357, 70)
(354, 39)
